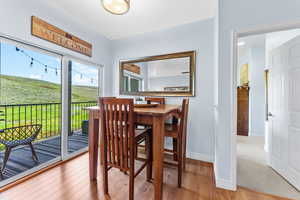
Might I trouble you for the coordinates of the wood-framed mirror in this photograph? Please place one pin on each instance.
(162, 75)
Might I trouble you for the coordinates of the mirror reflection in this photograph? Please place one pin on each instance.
(172, 75)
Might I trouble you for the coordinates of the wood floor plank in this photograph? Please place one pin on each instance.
(70, 181)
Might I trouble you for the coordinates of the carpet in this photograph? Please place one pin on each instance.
(254, 173)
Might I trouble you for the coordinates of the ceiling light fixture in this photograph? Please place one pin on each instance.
(116, 7)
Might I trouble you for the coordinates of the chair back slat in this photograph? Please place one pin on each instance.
(117, 131)
(126, 157)
(184, 119)
(121, 147)
(155, 100)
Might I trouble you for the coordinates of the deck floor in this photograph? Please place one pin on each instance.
(20, 159)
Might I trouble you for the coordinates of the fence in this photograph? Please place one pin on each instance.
(47, 114)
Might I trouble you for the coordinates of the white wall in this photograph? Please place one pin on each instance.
(196, 36)
(236, 16)
(257, 91)
(15, 20)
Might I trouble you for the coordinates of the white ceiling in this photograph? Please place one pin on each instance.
(144, 15)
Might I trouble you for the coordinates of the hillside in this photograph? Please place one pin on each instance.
(19, 90)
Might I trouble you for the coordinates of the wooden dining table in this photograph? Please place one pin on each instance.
(153, 116)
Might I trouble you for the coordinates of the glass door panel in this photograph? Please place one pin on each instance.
(30, 109)
(84, 91)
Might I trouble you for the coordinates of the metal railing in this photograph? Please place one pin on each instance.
(47, 114)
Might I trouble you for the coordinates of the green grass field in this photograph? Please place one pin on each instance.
(17, 90)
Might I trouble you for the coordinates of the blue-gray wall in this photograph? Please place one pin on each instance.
(195, 36)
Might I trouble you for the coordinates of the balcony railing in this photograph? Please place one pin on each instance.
(47, 114)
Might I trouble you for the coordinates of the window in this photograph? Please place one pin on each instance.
(132, 83)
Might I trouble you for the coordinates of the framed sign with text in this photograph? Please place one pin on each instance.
(46, 31)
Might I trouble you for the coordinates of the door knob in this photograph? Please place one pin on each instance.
(270, 114)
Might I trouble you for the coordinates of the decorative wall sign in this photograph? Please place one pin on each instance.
(132, 68)
(46, 31)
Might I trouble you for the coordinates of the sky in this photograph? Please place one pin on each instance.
(15, 63)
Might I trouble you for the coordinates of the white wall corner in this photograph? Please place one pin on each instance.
(200, 156)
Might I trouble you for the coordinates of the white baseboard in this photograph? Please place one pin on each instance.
(225, 184)
(194, 155)
(200, 156)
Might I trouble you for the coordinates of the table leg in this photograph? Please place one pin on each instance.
(93, 145)
(158, 151)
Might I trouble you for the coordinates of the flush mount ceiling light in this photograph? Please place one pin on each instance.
(117, 7)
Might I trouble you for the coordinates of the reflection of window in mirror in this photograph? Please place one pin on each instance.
(133, 81)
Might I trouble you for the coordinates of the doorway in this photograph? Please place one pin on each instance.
(266, 156)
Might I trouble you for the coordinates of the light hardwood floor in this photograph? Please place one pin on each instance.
(70, 181)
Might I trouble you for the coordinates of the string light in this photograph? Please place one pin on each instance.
(47, 67)
(31, 63)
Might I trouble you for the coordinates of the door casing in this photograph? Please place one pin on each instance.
(235, 34)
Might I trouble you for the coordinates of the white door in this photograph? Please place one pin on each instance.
(284, 120)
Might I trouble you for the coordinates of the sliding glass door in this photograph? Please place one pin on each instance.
(84, 89)
(30, 109)
(43, 101)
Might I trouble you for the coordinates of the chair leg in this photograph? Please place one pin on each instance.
(6, 156)
(175, 149)
(34, 156)
(131, 175)
(184, 159)
(131, 186)
(149, 156)
(105, 178)
(1, 175)
(179, 156)
(184, 153)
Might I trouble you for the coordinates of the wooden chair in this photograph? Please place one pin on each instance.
(119, 140)
(174, 120)
(178, 131)
(155, 100)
